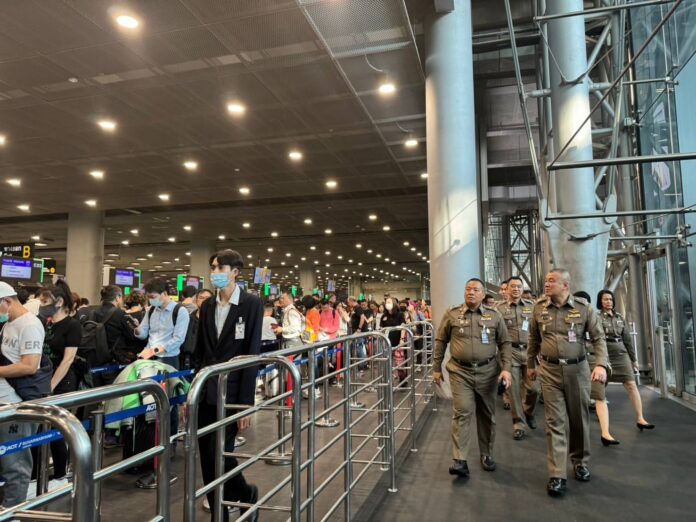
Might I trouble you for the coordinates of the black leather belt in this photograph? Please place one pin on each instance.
(476, 364)
(562, 362)
(520, 346)
(614, 340)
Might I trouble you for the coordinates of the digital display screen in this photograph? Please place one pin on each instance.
(123, 277)
(274, 289)
(16, 268)
(194, 281)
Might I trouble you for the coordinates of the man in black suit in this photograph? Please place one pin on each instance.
(229, 325)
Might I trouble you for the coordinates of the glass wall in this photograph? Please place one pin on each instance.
(666, 126)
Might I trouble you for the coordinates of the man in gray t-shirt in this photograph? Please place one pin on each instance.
(22, 344)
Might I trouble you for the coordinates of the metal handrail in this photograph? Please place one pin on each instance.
(114, 391)
(83, 506)
(198, 386)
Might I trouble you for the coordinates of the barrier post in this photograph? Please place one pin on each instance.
(326, 421)
(347, 441)
(97, 454)
(220, 445)
(280, 454)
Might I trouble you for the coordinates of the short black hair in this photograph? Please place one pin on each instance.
(228, 257)
(309, 302)
(516, 278)
(59, 290)
(477, 280)
(156, 285)
(189, 291)
(22, 295)
(599, 298)
(584, 295)
(110, 293)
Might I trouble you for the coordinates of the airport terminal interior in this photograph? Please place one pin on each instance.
(238, 237)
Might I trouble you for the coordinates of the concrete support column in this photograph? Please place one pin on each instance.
(85, 253)
(201, 251)
(574, 188)
(355, 287)
(453, 194)
(308, 281)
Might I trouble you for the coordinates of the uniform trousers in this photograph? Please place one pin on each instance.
(523, 393)
(566, 391)
(473, 391)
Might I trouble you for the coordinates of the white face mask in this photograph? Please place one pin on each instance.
(389, 306)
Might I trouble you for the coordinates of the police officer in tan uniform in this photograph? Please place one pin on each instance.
(556, 336)
(623, 362)
(475, 333)
(524, 392)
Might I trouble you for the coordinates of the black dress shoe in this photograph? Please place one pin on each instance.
(518, 434)
(556, 487)
(647, 426)
(253, 498)
(487, 463)
(531, 421)
(582, 473)
(506, 405)
(610, 442)
(459, 468)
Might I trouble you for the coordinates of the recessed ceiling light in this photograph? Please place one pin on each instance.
(270, 249)
(411, 143)
(274, 234)
(15, 182)
(303, 259)
(372, 217)
(125, 242)
(249, 256)
(150, 255)
(141, 258)
(386, 228)
(236, 108)
(413, 249)
(127, 21)
(406, 243)
(339, 257)
(23, 207)
(73, 79)
(97, 174)
(135, 231)
(172, 239)
(387, 88)
(378, 255)
(328, 231)
(164, 197)
(358, 245)
(295, 155)
(328, 252)
(369, 250)
(107, 125)
(221, 237)
(187, 228)
(312, 247)
(308, 221)
(288, 254)
(424, 175)
(331, 184)
(3, 140)
(41, 245)
(245, 191)
(36, 238)
(191, 165)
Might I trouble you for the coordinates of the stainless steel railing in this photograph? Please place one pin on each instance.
(96, 396)
(83, 506)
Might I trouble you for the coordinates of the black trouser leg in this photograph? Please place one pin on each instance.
(236, 488)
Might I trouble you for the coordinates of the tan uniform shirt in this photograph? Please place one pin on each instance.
(615, 327)
(472, 336)
(517, 318)
(559, 332)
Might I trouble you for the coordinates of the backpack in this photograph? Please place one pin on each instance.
(94, 346)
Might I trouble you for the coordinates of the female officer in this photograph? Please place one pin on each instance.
(622, 358)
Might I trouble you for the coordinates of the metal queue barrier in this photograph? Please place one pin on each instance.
(383, 433)
(83, 506)
(97, 396)
(222, 372)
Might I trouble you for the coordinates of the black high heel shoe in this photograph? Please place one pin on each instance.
(610, 442)
(647, 426)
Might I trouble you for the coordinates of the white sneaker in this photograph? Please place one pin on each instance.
(57, 483)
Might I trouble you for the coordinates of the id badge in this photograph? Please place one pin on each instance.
(571, 336)
(239, 330)
(525, 325)
(484, 336)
